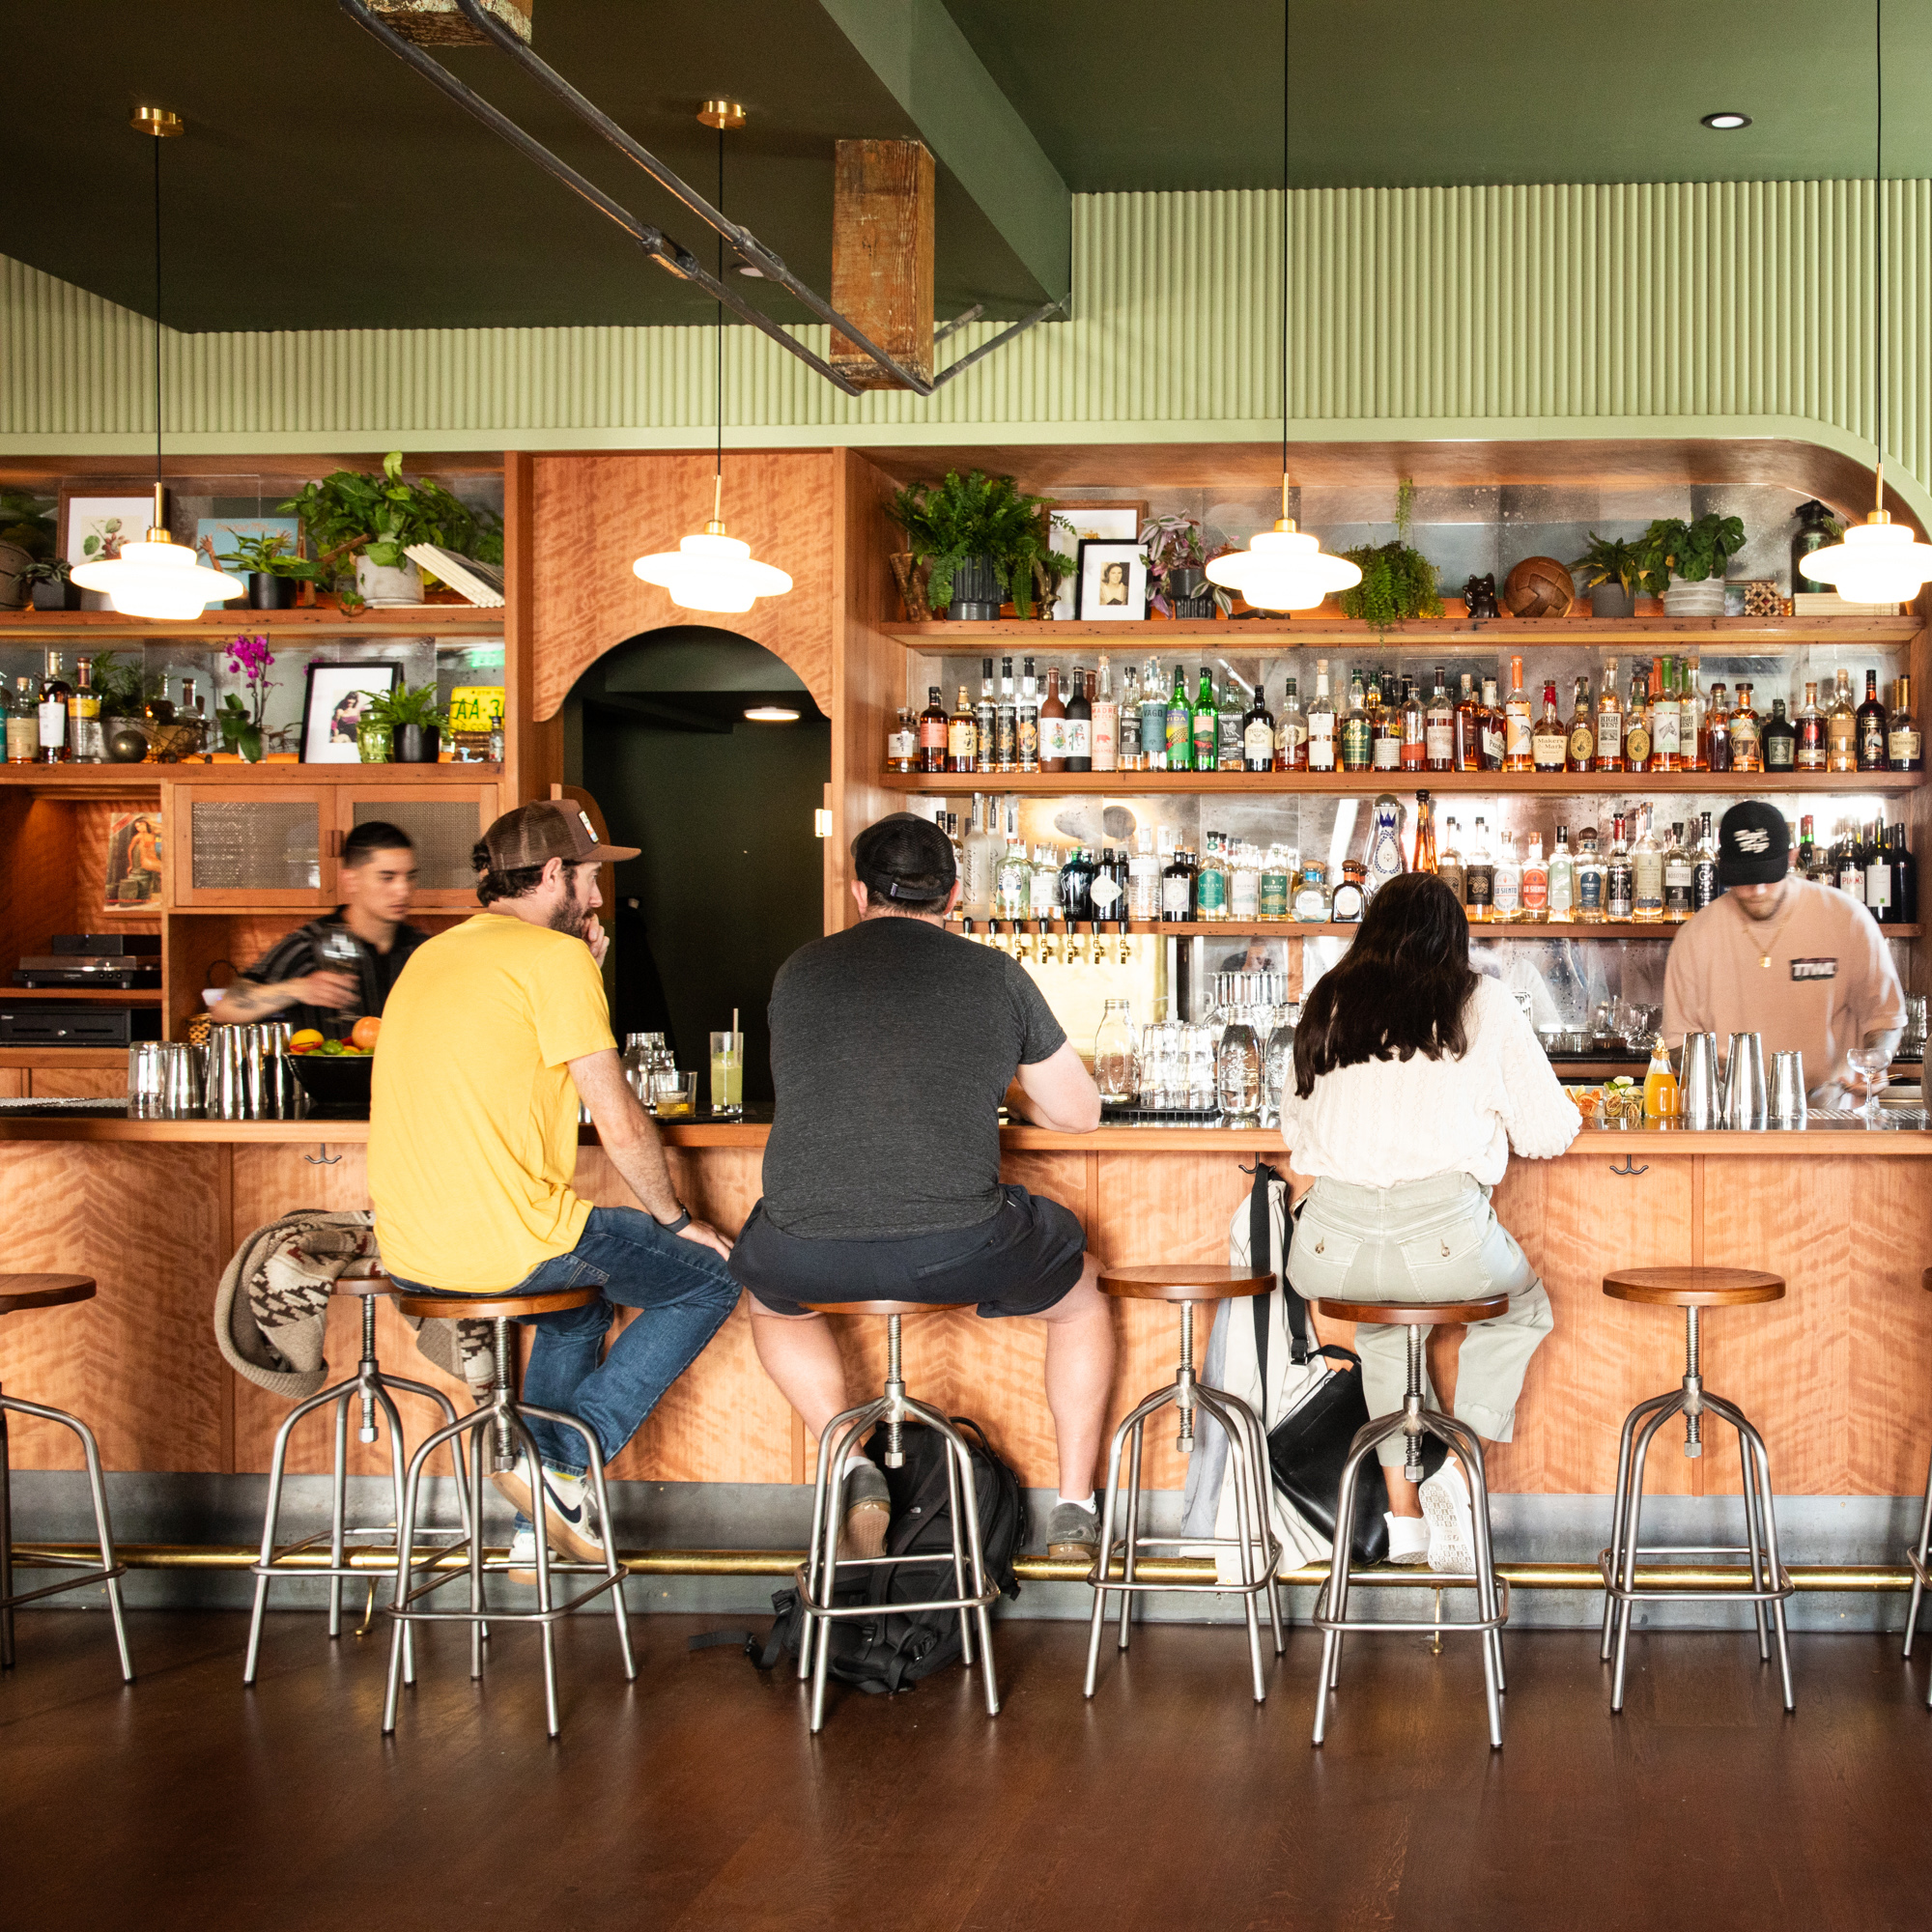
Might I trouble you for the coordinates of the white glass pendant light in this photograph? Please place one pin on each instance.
(1285, 568)
(1877, 561)
(712, 571)
(158, 578)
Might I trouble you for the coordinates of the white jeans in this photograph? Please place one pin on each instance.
(1424, 1241)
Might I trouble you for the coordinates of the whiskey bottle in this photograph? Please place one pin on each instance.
(902, 743)
(1385, 737)
(1667, 717)
(56, 745)
(1747, 748)
(1581, 751)
(1468, 728)
(1439, 731)
(1357, 745)
(1637, 730)
(1321, 746)
(23, 725)
(89, 742)
(1549, 743)
(1778, 740)
(1290, 732)
(1519, 755)
(1871, 729)
(1229, 719)
(1414, 753)
(1717, 733)
(1494, 729)
(1905, 749)
(1609, 722)
(962, 738)
(1691, 696)
(1841, 728)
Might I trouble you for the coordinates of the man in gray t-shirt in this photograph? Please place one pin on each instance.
(893, 1044)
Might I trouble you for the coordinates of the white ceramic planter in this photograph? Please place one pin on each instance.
(380, 585)
(1694, 600)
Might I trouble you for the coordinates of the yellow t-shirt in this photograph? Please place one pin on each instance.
(473, 1120)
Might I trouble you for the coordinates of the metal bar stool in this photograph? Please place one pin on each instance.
(54, 1291)
(502, 1418)
(373, 1387)
(1412, 1422)
(1260, 1553)
(1917, 1558)
(971, 1589)
(1692, 1290)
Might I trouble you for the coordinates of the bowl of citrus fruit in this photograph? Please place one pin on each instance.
(335, 1072)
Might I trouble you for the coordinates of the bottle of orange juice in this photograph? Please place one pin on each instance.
(1660, 1085)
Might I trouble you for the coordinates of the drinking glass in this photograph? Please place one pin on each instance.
(728, 1075)
(1875, 1063)
(674, 1095)
(1115, 1071)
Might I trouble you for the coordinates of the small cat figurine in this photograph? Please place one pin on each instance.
(1479, 593)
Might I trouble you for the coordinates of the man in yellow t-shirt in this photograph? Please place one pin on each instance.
(492, 1034)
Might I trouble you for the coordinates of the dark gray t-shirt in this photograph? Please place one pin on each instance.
(892, 1043)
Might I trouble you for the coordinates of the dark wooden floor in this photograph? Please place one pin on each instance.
(696, 1799)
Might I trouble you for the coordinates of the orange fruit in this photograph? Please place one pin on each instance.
(363, 1033)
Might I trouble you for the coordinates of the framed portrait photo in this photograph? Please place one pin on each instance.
(1112, 581)
(334, 703)
(1072, 523)
(92, 529)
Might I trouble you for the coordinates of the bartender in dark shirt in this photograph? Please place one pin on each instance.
(892, 1045)
(293, 980)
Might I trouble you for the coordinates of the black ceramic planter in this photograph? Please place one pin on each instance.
(269, 593)
(976, 595)
(1189, 594)
(416, 746)
(56, 595)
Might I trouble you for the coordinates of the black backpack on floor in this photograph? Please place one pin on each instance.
(884, 1653)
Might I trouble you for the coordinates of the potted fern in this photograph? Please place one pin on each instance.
(1685, 564)
(413, 722)
(981, 539)
(1612, 570)
(1398, 582)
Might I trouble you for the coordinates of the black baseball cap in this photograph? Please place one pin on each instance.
(904, 857)
(1753, 845)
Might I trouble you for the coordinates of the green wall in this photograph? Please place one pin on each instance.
(1727, 308)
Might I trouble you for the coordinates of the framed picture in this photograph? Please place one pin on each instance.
(1071, 524)
(1112, 581)
(92, 529)
(214, 535)
(133, 880)
(333, 703)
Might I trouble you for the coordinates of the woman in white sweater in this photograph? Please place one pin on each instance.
(1414, 1078)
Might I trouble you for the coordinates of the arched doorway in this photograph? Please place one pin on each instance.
(729, 880)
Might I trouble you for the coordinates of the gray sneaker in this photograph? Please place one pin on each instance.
(1073, 1532)
(868, 1512)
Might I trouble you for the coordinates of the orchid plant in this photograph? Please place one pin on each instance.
(248, 659)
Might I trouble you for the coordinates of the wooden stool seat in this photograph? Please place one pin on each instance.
(44, 1290)
(493, 1307)
(365, 1284)
(1170, 1281)
(1695, 1287)
(878, 1307)
(1416, 1314)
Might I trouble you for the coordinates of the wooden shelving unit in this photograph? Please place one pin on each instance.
(1552, 785)
(212, 628)
(121, 780)
(112, 996)
(1287, 928)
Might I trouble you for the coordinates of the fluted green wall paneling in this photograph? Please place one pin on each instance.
(1725, 308)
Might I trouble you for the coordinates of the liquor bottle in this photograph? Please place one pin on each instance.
(1006, 722)
(1277, 882)
(1619, 875)
(1179, 725)
(1205, 725)
(1385, 737)
(1850, 865)
(1079, 725)
(1581, 749)
(1322, 745)
(1413, 755)
(1905, 749)
(1449, 863)
(962, 737)
(1562, 880)
(1871, 729)
(1747, 748)
(1385, 860)
(1144, 877)
(23, 725)
(1026, 721)
(1357, 748)
(1609, 722)
(1548, 743)
(1424, 834)
(1705, 891)
(1468, 728)
(1518, 730)
(1152, 718)
(1807, 851)
(1535, 883)
(902, 743)
(1661, 1095)
(1636, 724)
(1106, 722)
(1127, 722)
(1904, 878)
(1076, 886)
(1691, 692)
(1667, 717)
(1718, 732)
(1244, 883)
(1778, 740)
(1290, 732)
(1494, 740)
(1878, 876)
(56, 746)
(1258, 734)
(1012, 876)
(1479, 875)
(978, 887)
(1053, 736)
(90, 742)
(1438, 731)
(1591, 876)
(1044, 903)
(1176, 890)
(1809, 754)
(987, 719)
(1646, 862)
(1677, 879)
(1230, 722)
(1841, 728)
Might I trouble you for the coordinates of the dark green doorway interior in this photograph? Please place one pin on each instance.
(729, 879)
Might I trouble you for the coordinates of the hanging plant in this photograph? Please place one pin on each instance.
(1398, 582)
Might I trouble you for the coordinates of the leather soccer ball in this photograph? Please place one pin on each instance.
(1539, 587)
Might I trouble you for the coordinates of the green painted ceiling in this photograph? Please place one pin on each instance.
(324, 186)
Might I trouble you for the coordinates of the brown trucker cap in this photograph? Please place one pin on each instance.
(549, 828)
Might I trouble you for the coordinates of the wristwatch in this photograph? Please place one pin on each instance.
(682, 1222)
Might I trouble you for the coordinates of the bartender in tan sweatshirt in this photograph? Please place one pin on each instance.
(1802, 964)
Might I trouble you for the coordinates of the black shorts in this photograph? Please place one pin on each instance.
(1021, 1262)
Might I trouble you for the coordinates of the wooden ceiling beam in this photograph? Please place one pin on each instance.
(881, 247)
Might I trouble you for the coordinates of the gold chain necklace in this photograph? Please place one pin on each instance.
(1770, 942)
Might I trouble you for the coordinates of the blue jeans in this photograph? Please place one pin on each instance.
(686, 1292)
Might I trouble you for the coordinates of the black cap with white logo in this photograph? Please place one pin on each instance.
(1753, 845)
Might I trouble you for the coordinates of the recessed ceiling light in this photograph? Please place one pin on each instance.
(771, 714)
(1726, 123)
(746, 269)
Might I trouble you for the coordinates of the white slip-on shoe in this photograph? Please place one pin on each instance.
(1408, 1538)
(1452, 1527)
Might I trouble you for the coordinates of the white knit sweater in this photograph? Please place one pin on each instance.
(1389, 1121)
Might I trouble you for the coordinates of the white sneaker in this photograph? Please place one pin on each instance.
(1452, 1527)
(573, 1528)
(1408, 1538)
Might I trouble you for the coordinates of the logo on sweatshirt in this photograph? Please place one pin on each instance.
(1814, 969)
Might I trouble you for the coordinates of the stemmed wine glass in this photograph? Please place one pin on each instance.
(1875, 1063)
